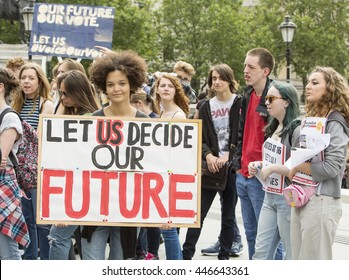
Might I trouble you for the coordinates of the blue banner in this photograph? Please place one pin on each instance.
(66, 30)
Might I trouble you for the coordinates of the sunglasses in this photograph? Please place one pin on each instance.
(63, 93)
(271, 98)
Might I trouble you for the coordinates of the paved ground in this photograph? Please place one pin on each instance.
(211, 229)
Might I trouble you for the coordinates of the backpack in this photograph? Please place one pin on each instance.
(26, 167)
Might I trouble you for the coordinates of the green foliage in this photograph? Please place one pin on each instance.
(9, 32)
(321, 37)
(208, 32)
(202, 33)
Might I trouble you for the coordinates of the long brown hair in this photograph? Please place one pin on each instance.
(180, 98)
(80, 91)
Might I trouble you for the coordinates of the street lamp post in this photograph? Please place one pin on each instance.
(27, 14)
(287, 28)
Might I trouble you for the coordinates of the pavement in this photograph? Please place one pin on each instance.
(211, 228)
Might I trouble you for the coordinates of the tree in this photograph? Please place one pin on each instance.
(201, 32)
(321, 36)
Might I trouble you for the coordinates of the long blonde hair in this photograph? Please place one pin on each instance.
(43, 89)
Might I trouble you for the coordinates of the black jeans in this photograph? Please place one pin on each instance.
(229, 200)
(148, 240)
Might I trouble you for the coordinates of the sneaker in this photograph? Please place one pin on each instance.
(211, 251)
(236, 249)
(137, 257)
(151, 257)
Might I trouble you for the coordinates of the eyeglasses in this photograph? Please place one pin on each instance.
(271, 98)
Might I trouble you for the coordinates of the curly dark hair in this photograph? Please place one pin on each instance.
(128, 62)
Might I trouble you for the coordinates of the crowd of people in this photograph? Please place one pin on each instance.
(236, 131)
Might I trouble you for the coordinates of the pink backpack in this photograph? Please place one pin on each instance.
(297, 196)
(26, 167)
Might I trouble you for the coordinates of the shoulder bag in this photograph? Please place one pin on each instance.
(218, 181)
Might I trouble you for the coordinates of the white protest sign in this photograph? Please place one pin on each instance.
(313, 141)
(97, 170)
(274, 152)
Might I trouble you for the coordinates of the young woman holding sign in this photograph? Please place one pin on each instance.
(78, 97)
(174, 105)
(282, 130)
(119, 75)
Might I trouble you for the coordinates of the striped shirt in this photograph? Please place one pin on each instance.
(28, 114)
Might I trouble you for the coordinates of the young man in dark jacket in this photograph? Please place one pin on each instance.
(220, 117)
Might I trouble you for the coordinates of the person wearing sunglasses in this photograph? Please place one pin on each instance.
(283, 127)
(258, 65)
(66, 65)
(79, 98)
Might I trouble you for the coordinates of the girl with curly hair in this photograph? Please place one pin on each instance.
(314, 226)
(118, 75)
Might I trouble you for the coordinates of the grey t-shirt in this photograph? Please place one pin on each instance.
(11, 120)
(100, 112)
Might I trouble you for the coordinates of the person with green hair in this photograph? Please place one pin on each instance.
(283, 130)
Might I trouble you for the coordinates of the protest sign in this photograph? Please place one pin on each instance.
(313, 141)
(67, 30)
(274, 152)
(104, 170)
